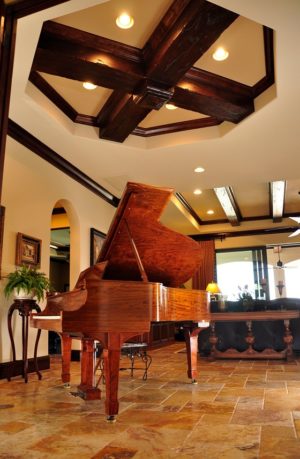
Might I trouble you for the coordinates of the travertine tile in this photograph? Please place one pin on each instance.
(238, 410)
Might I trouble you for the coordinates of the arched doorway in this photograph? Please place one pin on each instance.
(59, 273)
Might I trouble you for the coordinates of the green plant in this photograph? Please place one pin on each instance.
(28, 279)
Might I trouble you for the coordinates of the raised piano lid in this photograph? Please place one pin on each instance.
(167, 256)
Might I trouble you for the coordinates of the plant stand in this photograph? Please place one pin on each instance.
(24, 307)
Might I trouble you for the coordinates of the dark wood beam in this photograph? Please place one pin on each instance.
(227, 200)
(127, 114)
(10, 12)
(7, 47)
(188, 208)
(23, 8)
(276, 199)
(176, 127)
(39, 148)
(82, 56)
(76, 68)
(40, 82)
(189, 35)
(216, 96)
(269, 78)
(163, 66)
(255, 232)
(122, 112)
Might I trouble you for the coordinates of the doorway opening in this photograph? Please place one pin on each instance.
(59, 263)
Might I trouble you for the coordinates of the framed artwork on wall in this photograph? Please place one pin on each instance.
(97, 240)
(28, 251)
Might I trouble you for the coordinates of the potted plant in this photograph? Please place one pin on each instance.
(27, 282)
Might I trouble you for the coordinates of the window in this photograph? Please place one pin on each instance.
(239, 268)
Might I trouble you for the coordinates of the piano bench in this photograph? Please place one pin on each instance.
(137, 350)
(132, 351)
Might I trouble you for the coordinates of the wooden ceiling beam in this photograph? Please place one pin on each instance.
(74, 68)
(276, 199)
(122, 112)
(125, 116)
(146, 79)
(212, 95)
(182, 37)
(227, 200)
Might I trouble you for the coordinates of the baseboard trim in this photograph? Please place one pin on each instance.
(16, 368)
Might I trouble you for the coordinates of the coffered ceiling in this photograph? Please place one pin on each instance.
(166, 57)
(234, 118)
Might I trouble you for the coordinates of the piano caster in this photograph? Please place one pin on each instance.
(194, 381)
(67, 385)
(111, 419)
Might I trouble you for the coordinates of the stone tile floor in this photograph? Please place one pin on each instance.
(239, 409)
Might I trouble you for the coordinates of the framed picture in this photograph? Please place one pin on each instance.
(97, 240)
(28, 251)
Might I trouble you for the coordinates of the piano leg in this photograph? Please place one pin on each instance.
(111, 359)
(191, 341)
(66, 344)
(86, 388)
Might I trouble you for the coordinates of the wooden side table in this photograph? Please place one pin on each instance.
(24, 307)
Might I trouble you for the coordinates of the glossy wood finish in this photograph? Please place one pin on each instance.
(66, 345)
(168, 257)
(249, 317)
(125, 290)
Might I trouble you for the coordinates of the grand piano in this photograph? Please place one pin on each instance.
(136, 281)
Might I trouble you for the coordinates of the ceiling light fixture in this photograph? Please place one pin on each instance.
(199, 169)
(170, 106)
(210, 212)
(197, 191)
(220, 54)
(89, 86)
(124, 21)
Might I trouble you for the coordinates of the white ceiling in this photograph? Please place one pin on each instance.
(262, 148)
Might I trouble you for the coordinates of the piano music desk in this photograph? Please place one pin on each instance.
(25, 307)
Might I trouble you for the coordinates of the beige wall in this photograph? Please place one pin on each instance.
(30, 190)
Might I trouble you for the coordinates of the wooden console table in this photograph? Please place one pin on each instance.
(24, 307)
(248, 318)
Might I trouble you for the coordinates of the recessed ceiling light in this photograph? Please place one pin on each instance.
(170, 106)
(124, 21)
(210, 212)
(199, 169)
(197, 191)
(220, 54)
(88, 85)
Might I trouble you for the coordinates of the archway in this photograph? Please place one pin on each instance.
(64, 255)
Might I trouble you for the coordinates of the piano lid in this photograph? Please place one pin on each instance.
(167, 256)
